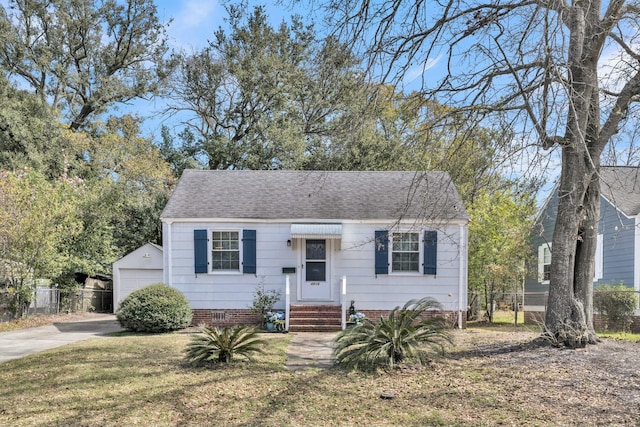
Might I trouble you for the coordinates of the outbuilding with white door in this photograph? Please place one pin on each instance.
(136, 270)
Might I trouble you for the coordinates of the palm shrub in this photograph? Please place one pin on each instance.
(405, 335)
(216, 344)
(154, 308)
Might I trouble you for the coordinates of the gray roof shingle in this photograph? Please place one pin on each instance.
(621, 186)
(314, 195)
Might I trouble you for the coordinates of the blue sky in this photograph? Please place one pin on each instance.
(194, 21)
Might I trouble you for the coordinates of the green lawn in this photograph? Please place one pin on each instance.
(627, 336)
(505, 316)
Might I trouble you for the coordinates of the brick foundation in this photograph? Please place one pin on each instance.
(224, 317)
(451, 316)
(231, 317)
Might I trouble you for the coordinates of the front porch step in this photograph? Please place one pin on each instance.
(315, 318)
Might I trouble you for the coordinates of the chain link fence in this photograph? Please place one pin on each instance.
(530, 307)
(48, 301)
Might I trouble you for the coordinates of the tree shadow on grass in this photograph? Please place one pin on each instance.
(496, 348)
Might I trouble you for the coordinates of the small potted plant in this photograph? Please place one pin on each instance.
(270, 320)
(356, 318)
(274, 320)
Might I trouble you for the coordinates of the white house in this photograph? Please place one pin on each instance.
(323, 239)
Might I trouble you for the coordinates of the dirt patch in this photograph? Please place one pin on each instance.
(596, 385)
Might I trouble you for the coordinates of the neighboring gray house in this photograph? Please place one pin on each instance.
(323, 239)
(617, 258)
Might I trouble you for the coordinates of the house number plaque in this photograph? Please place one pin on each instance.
(314, 283)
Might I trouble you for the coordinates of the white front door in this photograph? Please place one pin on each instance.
(316, 272)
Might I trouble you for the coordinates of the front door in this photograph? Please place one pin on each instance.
(316, 282)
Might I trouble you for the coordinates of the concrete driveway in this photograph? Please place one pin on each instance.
(22, 342)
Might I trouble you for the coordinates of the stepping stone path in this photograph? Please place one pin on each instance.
(310, 350)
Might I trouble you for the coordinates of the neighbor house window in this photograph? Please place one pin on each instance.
(544, 263)
(599, 261)
(405, 252)
(225, 250)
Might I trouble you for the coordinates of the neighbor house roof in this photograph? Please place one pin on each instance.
(206, 194)
(621, 186)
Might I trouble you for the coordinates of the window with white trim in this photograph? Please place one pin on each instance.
(405, 252)
(599, 261)
(544, 263)
(225, 251)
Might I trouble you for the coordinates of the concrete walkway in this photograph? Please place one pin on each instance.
(22, 342)
(307, 349)
(310, 350)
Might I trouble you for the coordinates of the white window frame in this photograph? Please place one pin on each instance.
(420, 253)
(541, 263)
(598, 265)
(210, 254)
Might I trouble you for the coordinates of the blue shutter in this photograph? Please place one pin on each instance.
(200, 251)
(382, 252)
(249, 251)
(430, 252)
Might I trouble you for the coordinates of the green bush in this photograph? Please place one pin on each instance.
(263, 301)
(154, 308)
(222, 344)
(616, 304)
(405, 335)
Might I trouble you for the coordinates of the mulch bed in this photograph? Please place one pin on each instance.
(596, 385)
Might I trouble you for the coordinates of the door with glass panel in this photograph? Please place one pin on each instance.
(316, 282)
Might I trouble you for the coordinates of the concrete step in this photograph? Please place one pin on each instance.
(314, 328)
(315, 318)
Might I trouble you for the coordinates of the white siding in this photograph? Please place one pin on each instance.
(140, 268)
(352, 256)
(230, 290)
(386, 291)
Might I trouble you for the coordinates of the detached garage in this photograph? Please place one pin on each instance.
(136, 270)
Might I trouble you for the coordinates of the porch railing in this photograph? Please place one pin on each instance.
(343, 301)
(287, 301)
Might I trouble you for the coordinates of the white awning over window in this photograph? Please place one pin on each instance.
(316, 231)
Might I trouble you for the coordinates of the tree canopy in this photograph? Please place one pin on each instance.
(567, 73)
(82, 57)
(258, 96)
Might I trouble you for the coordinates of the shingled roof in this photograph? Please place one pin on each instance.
(314, 195)
(621, 186)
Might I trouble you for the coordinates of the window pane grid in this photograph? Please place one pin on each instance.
(546, 264)
(405, 254)
(225, 254)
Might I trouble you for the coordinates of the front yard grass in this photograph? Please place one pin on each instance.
(131, 380)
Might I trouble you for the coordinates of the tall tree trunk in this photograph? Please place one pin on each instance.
(568, 318)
